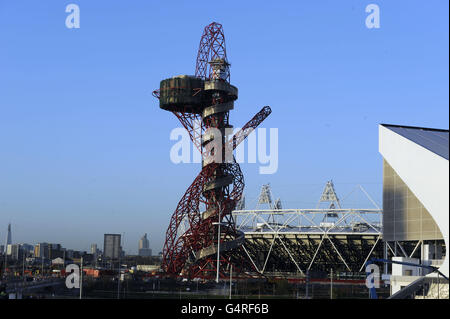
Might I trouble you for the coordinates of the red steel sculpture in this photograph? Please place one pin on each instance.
(202, 238)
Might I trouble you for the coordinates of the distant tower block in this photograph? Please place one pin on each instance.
(203, 218)
(144, 247)
(8, 238)
(112, 246)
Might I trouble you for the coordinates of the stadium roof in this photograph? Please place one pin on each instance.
(434, 140)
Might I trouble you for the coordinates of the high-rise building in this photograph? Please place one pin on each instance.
(111, 246)
(55, 251)
(143, 242)
(69, 253)
(144, 246)
(14, 251)
(8, 238)
(95, 253)
(27, 248)
(42, 250)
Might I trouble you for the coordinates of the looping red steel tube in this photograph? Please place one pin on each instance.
(203, 218)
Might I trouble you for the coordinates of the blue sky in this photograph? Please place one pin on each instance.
(84, 147)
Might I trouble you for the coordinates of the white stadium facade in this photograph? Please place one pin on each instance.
(416, 207)
(408, 238)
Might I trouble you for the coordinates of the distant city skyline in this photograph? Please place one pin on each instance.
(9, 241)
(85, 148)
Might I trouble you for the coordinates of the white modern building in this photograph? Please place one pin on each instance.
(415, 200)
